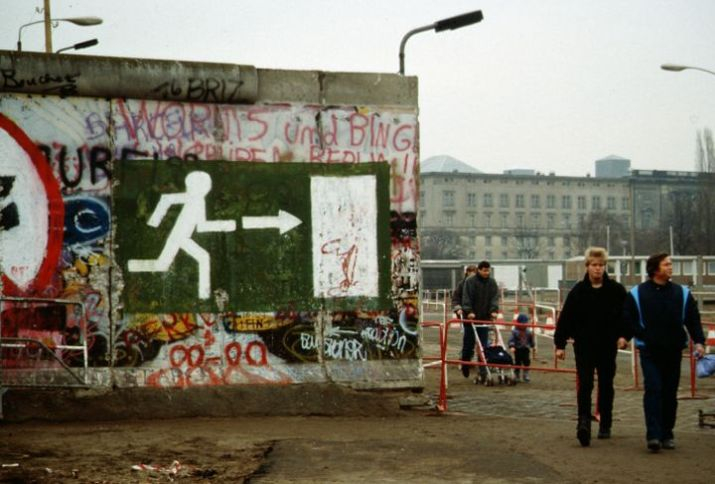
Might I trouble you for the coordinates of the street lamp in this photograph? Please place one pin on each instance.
(80, 45)
(452, 23)
(678, 68)
(81, 21)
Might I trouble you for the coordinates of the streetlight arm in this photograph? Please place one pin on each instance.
(404, 41)
(19, 33)
(451, 23)
(678, 68)
(81, 21)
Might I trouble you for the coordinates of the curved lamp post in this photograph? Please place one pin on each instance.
(678, 68)
(81, 21)
(451, 23)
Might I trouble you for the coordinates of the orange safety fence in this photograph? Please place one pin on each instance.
(443, 361)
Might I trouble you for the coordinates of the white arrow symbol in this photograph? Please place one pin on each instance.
(283, 222)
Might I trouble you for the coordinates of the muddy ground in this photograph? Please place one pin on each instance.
(522, 434)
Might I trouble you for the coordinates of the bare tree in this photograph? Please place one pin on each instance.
(439, 244)
(705, 163)
(683, 218)
(528, 243)
(598, 227)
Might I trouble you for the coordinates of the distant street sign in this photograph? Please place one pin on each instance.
(239, 236)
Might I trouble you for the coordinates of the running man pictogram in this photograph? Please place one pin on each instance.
(192, 217)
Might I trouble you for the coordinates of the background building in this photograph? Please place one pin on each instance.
(524, 214)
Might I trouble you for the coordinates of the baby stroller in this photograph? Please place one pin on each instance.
(496, 354)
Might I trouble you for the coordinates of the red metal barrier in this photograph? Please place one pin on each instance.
(442, 402)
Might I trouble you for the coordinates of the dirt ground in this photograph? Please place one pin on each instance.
(520, 434)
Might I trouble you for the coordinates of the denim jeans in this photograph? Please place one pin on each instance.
(661, 376)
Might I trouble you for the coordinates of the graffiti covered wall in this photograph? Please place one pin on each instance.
(211, 244)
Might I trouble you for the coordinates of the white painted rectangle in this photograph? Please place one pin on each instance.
(344, 224)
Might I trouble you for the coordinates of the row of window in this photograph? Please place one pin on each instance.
(448, 200)
(532, 241)
(507, 220)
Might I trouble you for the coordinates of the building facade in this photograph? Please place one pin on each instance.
(523, 214)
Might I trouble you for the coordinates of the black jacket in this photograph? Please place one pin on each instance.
(480, 296)
(457, 296)
(592, 317)
(663, 325)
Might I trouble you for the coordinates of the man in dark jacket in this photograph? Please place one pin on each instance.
(657, 312)
(591, 317)
(480, 301)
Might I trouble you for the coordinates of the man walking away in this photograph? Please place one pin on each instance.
(591, 316)
(480, 301)
(656, 313)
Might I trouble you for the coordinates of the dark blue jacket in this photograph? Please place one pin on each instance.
(662, 316)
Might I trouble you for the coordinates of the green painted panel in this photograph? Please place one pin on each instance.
(248, 269)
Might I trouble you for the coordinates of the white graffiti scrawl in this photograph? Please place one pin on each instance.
(192, 217)
(344, 216)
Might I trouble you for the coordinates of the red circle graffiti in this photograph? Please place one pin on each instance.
(56, 214)
(233, 353)
(263, 361)
(173, 355)
(196, 356)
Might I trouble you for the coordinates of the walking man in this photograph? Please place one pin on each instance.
(656, 313)
(591, 317)
(480, 301)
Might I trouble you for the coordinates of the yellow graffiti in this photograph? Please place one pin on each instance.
(164, 327)
(255, 322)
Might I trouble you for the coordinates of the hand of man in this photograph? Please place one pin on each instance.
(561, 354)
(622, 343)
(471, 316)
(512, 349)
(699, 350)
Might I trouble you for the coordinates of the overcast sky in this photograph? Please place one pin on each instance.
(550, 85)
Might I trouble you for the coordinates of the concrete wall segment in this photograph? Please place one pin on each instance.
(110, 77)
(113, 159)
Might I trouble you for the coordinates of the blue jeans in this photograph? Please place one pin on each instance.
(661, 377)
(469, 342)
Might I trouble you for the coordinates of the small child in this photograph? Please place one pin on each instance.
(520, 344)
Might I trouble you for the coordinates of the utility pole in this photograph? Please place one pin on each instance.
(48, 28)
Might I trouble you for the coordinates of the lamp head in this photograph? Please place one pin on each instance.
(673, 67)
(459, 21)
(84, 21)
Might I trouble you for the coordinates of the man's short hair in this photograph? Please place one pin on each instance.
(653, 262)
(470, 268)
(595, 253)
(484, 265)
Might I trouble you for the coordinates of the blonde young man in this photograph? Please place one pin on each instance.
(591, 317)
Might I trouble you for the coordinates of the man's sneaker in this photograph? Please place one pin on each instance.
(465, 371)
(668, 444)
(583, 432)
(654, 445)
(604, 433)
(527, 379)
